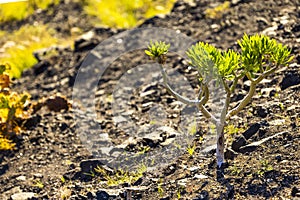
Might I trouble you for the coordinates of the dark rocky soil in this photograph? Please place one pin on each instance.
(263, 159)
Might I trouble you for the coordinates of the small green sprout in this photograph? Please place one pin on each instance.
(121, 176)
(265, 167)
(234, 170)
(191, 149)
(157, 51)
(38, 184)
(62, 178)
(160, 190)
(179, 191)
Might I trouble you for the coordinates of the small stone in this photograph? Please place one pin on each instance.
(270, 31)
(262, 112)
(200, 176)
(119, 119)
(147, 93)
(90, 195)
(277, 122)
(209, 149)
(22, 196)
(40, 67)
(89, 165)
(235, 2)
(147, 106)
(278, 158)
(21, 178)
(237, 144)
(215, 27)
(57, 103)
(251, 131)
(289, 80)
(295, 192)
(32, 122)
(182, 182)
(230, 154)
(102, 195)
(194, 169)
(202, 196)
(38, 175)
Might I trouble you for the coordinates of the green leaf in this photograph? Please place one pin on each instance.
(2, 69)
(4, 102)
(148, 53)
(157, 51)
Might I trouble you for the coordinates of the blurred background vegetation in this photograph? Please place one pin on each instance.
(17, 47)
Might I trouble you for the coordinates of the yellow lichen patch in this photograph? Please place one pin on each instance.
(126, 13)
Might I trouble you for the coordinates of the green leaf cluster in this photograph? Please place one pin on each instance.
(259, 53)
(158, 50)
(213, 63)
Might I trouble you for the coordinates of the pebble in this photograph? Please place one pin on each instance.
(38, 175)
(23, 196)
(21, 178)
(193, 169)
(200, 176)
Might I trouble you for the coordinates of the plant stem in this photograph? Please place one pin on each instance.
(244, 102)
(175, 94)
(197, 102)
(220, 144)
(220, 130)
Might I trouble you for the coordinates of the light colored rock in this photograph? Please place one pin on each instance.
(193, 169)
(22, 196)
(182, 182)
(258, 143)
(200, 176)
(21, 178)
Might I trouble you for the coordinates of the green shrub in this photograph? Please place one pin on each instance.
(260, 56)
(12, 108)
